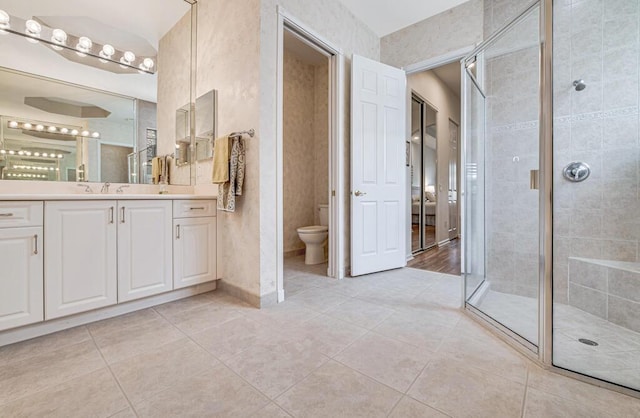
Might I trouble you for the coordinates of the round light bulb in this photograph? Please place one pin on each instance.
(85, 133)
(3, 151)
(39, 128)
(146, 65)
(28, 153)
(107, 52)
(27, 126)
(74, 132)
(95, 135)
(36, 154)
(84, 46)
(58, 37)
(52, 129)
(33, 29)
(127, 59)
(5, 20)
(59, 155)
(12, 152)
(44, 154)
(64, 131)
(20, 152)
(13, 124)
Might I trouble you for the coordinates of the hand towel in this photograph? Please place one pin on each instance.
(221, 160)
(228, 191)
(155, 170)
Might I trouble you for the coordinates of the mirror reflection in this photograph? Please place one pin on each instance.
(423, 174)
(80, 94)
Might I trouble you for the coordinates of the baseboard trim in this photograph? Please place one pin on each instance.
(48, 327)
(294, 253)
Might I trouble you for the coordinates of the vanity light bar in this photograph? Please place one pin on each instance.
(27, 175)
(38, 127)
(34, 167)
(58, 39)
(22, 153)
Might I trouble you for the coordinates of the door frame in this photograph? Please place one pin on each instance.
(336, 198)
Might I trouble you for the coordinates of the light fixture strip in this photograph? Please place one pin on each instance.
(46, 39)
(22, 153)
(52, 129)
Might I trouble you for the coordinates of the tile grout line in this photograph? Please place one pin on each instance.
(223, 364)
(526, 392)
(115, 378)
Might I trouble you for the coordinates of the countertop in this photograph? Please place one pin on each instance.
(104, 196)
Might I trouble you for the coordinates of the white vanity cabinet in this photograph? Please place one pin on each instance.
(144, 248)
(194, 242)
(80, 262)
(21, 268)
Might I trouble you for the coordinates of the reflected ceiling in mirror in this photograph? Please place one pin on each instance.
(114, 47)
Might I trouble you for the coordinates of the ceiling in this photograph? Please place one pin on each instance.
(306, 53)
(450, 75)
(385, 17)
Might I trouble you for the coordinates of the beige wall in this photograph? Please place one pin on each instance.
(299, 148)
(448, 31)
(174, 77)
(228, 61)
(447, 103)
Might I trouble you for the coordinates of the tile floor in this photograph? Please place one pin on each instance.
(616, 358)
(389, 344)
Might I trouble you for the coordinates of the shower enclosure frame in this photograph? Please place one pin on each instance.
(543, 352)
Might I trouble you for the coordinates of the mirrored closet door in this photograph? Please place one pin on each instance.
(423, 153)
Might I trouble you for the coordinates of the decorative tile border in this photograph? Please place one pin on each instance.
(625, 111)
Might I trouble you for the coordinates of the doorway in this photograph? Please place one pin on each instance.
(328, 188)
(435, 167)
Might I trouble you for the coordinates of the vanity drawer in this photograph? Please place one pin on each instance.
(20, 214)
(193, 208)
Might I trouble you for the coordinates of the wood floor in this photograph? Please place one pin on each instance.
(444, 259)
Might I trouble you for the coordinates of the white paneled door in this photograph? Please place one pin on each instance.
(20, 277)
(80, 261)
(194, 249)
(378, 155)
(145, 248)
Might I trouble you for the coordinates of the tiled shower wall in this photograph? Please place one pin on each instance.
(596, 40)
(511, 152)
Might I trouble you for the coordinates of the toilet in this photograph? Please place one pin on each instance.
(315, 238)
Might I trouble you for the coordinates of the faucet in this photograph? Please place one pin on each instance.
(87, 189)
(119, 190)
(105, 187)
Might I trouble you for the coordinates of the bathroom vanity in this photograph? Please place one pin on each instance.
(64, 256)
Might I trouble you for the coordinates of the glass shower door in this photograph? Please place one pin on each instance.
(502, 147)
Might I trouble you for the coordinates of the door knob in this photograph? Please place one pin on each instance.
(358, 193)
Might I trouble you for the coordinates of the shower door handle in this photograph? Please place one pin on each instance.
(534, 180)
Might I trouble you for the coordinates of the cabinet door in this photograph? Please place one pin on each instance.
(144, 248)
(194, 249)
(80, 266)
(21, 279)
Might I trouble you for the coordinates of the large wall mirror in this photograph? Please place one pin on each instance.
(92, 90)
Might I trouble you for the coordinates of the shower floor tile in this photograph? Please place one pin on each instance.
(615, 358)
